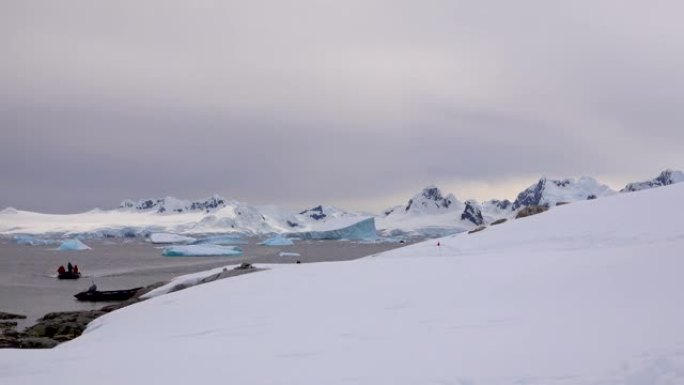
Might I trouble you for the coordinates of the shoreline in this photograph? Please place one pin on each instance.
(55, 328)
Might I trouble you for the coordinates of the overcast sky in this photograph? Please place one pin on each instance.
(353, 103)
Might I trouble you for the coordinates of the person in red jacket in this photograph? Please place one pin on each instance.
(61, 270)
(75, 269)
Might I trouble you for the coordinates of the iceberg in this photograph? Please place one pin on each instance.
(278, 240)
(73, 245)
(170, 238)
(288, 254)
(202, 251)
(352, 228)
(32, 241)
(221, 240)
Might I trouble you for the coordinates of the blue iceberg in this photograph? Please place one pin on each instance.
(354, 229)
(278, 240)
(73, 245)
(202, 251)
(33, 241)
(221, 240)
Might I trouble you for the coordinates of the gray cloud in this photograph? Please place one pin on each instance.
(307, 101)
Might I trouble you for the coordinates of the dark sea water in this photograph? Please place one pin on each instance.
(28, 283)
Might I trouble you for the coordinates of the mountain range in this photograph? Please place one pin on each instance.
(431, 212)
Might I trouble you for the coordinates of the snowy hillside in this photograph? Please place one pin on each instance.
(553, 299)
(665, 178)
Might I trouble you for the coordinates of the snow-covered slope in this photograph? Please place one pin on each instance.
(549, 192)
(553, 299)
(665, 178)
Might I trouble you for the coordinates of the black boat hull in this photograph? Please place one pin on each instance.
(69, 275)
(104, 296)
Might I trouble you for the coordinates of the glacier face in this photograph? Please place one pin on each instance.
(22, 239)
(353, 229)
(278, 240)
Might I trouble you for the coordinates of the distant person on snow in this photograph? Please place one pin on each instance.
(70, 267)
(61, 270)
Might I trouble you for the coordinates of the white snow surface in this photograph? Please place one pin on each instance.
(162, 238)
(586, 294)
(186, 280)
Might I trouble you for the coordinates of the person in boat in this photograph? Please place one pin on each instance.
(61, 270)
(92, 288)
(70, 267)
(76, 269)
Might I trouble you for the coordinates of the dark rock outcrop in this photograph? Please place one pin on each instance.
(530, 196)
(501, 204)
(498, 221)
(477, 229)
(6, 316)
(531, 210)
(472, 213)
(62, 326)
(315, 213)
(54, 328)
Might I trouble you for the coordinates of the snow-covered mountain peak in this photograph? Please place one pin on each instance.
(174, 205)
(665, 178)
(431, 200)
(472, 212)
(549, 192)
(323, 213)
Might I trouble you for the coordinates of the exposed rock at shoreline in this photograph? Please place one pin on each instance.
(57, 327)
(6, 316)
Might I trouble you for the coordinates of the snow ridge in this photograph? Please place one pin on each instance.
(549, 192)
(174, 205)
(665, 178)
